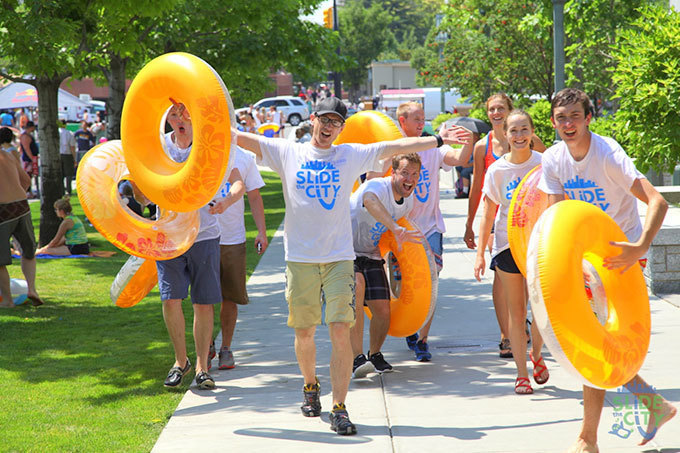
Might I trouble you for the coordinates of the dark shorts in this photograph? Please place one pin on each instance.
(233, 273)
(22, 230)
(505, 262)
(67, 165)
(377, 286)
(198, 267)
(79, 249)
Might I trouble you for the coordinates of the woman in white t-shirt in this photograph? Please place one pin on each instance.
(501, 179)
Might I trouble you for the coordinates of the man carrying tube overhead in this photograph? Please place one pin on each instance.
(607, 171)
(317, 182)
(198, 268)
(375, 208)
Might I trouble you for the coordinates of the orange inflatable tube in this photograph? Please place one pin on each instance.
(603, 356)
(185, 79)
(99, 172)
(366, 127)
(134, 281)
(526, 206)
(369, 126)
(417, 297)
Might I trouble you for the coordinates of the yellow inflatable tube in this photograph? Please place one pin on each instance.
(99, 172)
(369, 126)
(186, 79)
(415, 303)
(366, 127)
(602, 356)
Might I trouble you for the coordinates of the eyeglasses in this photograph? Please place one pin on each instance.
(326, 121)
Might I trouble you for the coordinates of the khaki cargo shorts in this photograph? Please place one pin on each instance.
(310, 285)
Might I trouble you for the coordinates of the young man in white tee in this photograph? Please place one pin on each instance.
(588, 167)
(375, 208)
(426, 212)
(317, 181)
(233, 250)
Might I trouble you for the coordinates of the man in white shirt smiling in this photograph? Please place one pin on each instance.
(317, 181)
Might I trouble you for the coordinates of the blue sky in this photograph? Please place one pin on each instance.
(318, 14)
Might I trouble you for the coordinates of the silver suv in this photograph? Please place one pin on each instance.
(294, 109)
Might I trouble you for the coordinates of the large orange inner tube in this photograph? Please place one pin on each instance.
(134, 281)
(415, 304)
(526, 206)
(185, 79)
(99, 172)
(602, 356)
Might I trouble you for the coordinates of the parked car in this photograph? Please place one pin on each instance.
(293, 108)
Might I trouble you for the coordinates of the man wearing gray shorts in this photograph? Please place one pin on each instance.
(375, 208)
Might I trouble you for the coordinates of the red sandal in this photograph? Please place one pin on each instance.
(539, 368)
(523, 386)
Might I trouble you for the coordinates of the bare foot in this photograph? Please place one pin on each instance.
(581, 446)
(657, 419)
(35, 299)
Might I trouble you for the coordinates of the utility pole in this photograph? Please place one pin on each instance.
(558, 47)
(337, 83)
(558, 43)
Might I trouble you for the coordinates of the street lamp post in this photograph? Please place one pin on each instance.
(558, 42)
(558, 47)
(337, 83)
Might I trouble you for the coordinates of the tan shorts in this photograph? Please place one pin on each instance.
(309, 285)
(233, 273)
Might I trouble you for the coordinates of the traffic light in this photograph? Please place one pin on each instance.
(328, 18)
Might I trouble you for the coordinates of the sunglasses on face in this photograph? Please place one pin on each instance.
(334, 122)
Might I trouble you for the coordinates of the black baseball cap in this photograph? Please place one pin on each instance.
(331, 105)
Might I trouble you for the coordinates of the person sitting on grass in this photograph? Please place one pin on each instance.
(71, 238)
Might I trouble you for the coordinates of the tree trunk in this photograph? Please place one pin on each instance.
(50, 162)
(115, 75)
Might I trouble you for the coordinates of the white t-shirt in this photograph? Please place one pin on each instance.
(209, 229)
(317, 184)
(500, 182)
(603, 178)
(66, 140)
(366, 230)
(426, 212)
(232, 226)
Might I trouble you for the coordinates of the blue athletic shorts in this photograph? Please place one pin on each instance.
(198, 267)
(436, 241)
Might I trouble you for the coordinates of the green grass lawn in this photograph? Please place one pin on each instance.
(79, 373)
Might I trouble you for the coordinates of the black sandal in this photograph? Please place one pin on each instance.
(176, 374)
(506, 351)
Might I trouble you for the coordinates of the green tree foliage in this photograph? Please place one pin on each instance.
(540, 114)
(591, 28)
(118, 36)
(648, 86)
(364, 33)
(491, 46)
(246, 41)
(42, 43)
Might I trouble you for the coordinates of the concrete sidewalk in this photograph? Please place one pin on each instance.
(462, 401)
